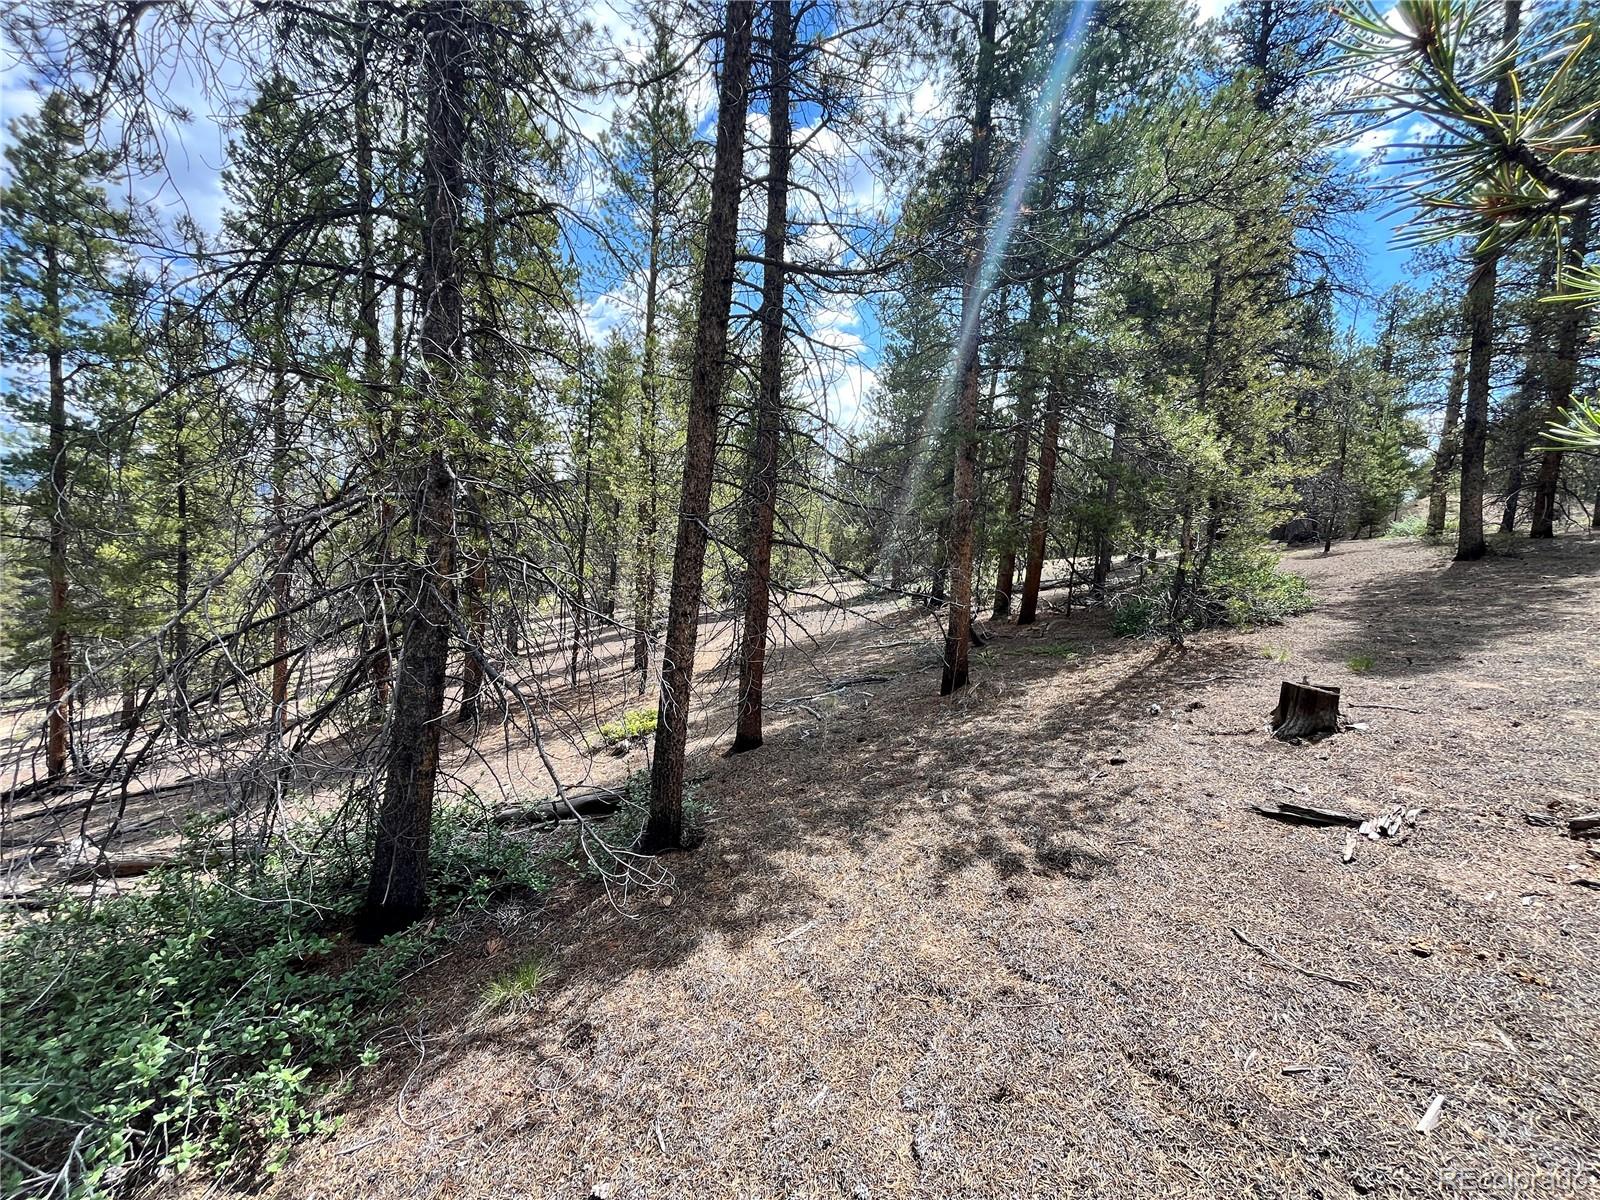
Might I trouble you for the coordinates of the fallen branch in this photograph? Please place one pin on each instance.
(1306, 814)
(1283, 962)
(1416, 712)
(592, 803)
(838, 686)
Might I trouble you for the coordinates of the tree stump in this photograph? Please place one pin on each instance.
(1305, 709)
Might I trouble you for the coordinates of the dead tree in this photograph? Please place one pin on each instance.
(764, 453)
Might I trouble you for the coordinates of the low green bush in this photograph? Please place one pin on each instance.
(1246, 588)
(186, 1023)
(1414, 526)
(636, 722)
(1243, 588)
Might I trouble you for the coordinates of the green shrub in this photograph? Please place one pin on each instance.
(1246, 587)
(1360, 664)
(185, 1023)
(1138, 614)
(1414, 526)
(1243, 587)
(636, 722)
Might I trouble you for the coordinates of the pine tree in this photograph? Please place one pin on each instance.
(59, 257)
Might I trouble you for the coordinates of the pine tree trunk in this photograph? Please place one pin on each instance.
(1049, 454)
(764, 452)
(58, 747)
(1444, 459)
(1535, 382)
(1021, 443)
(608, 602)
(1102, 537)
(1049, 450)
(1470, 542)
(1337, 514)
(372, 371)
(475, 553)
(664, 828)
(280, 553)
(963, 500)
(397, 891)
(180, 580)
(579, 597)
(1563, 374)
(644, 567)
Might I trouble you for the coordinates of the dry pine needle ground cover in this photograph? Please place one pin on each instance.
(987, 948)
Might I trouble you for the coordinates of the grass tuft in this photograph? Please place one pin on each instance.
(514, 992)
(1061, 650)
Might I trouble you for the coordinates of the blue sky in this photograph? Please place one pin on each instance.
(838, 377)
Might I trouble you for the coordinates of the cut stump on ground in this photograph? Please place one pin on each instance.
(1305, 710)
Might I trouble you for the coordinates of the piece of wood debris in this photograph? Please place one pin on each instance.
(1351, 841)
(1416, 712)
(1353, 984)
(1306, 814)
(578, 804)
(1585, 826)
(794, 933)
(1430, 1118)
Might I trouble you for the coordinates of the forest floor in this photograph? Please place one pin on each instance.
(996, 946)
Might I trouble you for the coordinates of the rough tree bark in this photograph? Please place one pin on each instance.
(1470, 543)
(397, 890)
(963, 499)
(764, 452)
(664, 828)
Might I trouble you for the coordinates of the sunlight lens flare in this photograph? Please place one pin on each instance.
(997, 237)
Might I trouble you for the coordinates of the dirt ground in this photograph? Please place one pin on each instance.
(993, 947)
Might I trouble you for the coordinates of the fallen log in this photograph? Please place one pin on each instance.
(125, 866)
(588, 804)
(1305, 709)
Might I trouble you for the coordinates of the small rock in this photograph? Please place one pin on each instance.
(601, 1191)
(1155, 710)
